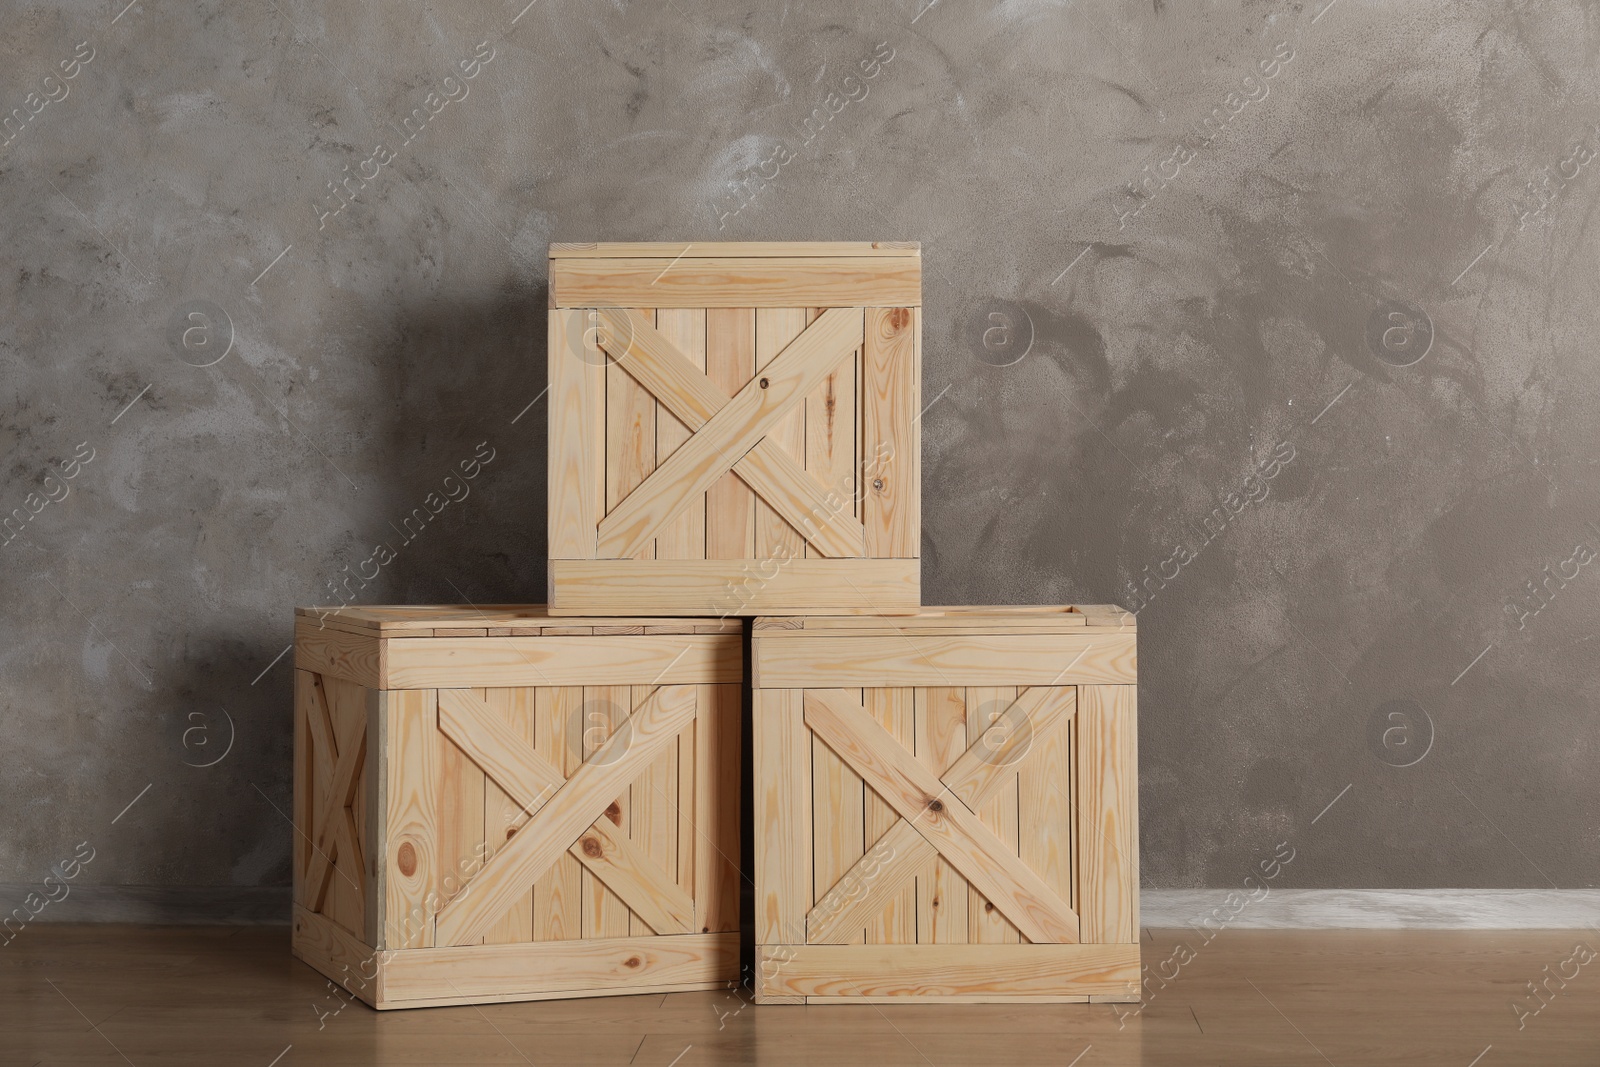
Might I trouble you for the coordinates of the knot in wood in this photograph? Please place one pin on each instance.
(765, 382)
(632, 961)
(935, 805)
(591, 848)
(407, 859)
(614, 813)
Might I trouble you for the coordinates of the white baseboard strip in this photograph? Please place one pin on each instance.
(1374, 909)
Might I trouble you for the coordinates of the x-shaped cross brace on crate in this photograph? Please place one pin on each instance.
(566, 815)
(937, 814)
(730, 433)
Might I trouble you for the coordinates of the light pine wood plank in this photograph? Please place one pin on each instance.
(941, 891)
(821, 515)
(989, 864)
(875, 884)
(1007, 742)
(837, 818)
(730, 363)
(891, 445)
(676, 250)
(655, 903)
(586, 796)
(606, 709)
(462, 843)
(558, 738)
(488, 736)
(727, 807)
(409, 802)
(338, 875)
(630, 446)
(337, 953)
(503, 815)
(653, 825)
(719, 587)
(689, 778)
(560, 969)
(577, 434)
(830, 446)
(896, 922)
(776, 328)
(986, 924)
(324, 763)
(920, 660)
(464, 662)
(821, 281)
(972, 972)
(683, 537)
(782, 755)
(731, 432)
(1044, 793)
(305, 772)
(335, 653)
(1108, 797)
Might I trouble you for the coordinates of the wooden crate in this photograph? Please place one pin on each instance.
(733, 428)
(946, 806)
(493, 804)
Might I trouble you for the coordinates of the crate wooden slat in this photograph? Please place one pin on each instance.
(501, 812)
(945, 806)
(733, 429)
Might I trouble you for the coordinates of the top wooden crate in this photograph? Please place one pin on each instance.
(733, 428)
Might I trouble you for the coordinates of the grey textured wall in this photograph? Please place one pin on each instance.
(1178, 258)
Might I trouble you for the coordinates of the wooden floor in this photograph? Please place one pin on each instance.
(171, 995)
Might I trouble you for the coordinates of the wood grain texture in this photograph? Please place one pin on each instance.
(986, 861)
(559, 969)
(891, 399)
(831, 428)
(587, 794)
(986, 922)
(745, 419)
(684, 537)
(655, 903)
(775, 329)
(1045, 787)
(558, 738)
(722, 818)
(577, 434)
(776, 282)
(730, 363)
(782, 806)
(630, 446)
(837, 822)
(976, 660)
(606, 710)
(721, 587)
(941, 891)
(302, 814)
(654, 825)
(462, 841)
(896, 922)
(791, 501)
(338, 654)
(338, 954)
(669, 659)
(967, 972)
(410, 771)
(503, 813)
(1108, 802)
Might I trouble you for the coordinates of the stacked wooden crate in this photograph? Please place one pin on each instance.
(529, 802)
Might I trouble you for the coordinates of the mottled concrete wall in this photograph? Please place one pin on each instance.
(1333, 190)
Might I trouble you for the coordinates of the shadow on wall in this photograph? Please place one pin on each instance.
(460, 515)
